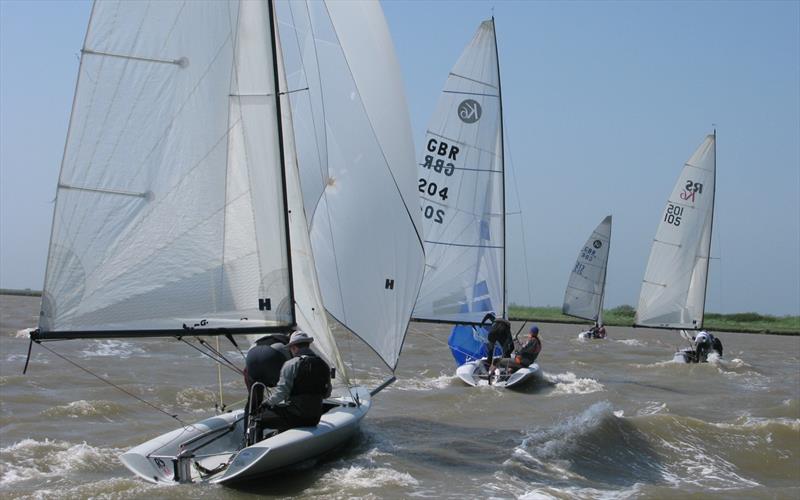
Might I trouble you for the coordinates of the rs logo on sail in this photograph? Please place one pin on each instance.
(469, 111)
(690, 190)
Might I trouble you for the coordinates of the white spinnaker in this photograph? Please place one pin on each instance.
(583, 297)
(169, 208)
(674, 285)
(357, 174)
(461, 188)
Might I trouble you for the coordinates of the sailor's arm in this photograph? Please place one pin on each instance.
(285, 384)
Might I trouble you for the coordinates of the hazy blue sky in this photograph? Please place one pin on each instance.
(603, 101)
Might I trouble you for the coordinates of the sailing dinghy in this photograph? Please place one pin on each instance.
(462, 191)
(204, 192)
(673, 292)
(586, 288)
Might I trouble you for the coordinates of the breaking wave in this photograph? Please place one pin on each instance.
(425, 383)
(32, 459)
(84, 408)
(569, 383)
(112, 348)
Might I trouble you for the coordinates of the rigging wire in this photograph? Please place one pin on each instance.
(521, 225)
(112, 384)
(222, 360)
(219, 380)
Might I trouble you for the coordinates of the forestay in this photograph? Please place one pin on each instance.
(587, 281)
(461, 190)
(354, 150)
(674, 285)
(170, 206)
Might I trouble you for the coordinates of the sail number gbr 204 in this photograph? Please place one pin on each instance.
(441, 162)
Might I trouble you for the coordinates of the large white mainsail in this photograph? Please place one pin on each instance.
(585, 291)
(462, 191)
(674, 285)
(157, 223)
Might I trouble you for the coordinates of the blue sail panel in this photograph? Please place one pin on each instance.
(468, 343)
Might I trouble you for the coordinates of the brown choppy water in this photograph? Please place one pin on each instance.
(609, 419)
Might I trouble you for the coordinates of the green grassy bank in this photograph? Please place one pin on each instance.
(623, 316)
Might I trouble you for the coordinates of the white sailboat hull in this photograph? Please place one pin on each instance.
(157, 460)
(473, 373)
(586, 335)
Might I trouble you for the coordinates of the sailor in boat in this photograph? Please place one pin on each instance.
(264, 360)
(704, 344)
(305, 380)
(500, 332)
(524, 355)
(263, 363)
(597, 332)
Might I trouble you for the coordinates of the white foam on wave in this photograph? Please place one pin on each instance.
(549, 442)
(196, 399)
(24, 333)
(746, 423)
(553, 492)
(426, 383)
(112, 348)
(106, 488)
(356, 476)
(631, 342)
(83, 408)
(569, 383)
(32, 459)
(653, 408)
(698, 467)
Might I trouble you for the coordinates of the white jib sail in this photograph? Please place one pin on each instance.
(169, 208)
(309, 309)
(356, 168)
(461, 189)
(674, 285)
(587, 281)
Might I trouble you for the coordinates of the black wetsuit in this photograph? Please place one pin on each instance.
(264, 364)
(500, 332)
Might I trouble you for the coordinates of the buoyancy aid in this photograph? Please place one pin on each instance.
(313, 376)
(528, 353)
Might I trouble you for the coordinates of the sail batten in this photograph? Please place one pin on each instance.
(674, 285)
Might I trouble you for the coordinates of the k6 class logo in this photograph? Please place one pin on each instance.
(469, 111)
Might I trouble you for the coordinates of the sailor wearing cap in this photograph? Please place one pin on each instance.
(304, 382)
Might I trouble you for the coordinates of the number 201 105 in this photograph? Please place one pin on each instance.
(673, 215)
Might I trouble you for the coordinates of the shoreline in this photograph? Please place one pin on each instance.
(550, 311)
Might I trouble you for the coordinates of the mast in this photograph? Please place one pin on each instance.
(503, 162)
(710, 232)
(276, 78)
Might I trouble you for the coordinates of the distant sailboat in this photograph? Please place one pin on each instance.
(462, 194)
(585, 291)
(195, 199)
(673, 290)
